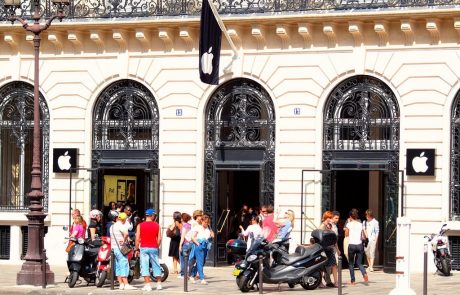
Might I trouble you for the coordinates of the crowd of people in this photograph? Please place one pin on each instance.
(192, 236)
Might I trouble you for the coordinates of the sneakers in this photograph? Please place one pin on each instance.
(180, 277)
(366, 278)
(121, 287)
(352, 283)
(370, 269)
(159, 287)
(192, 280)
(129, 287)
(203, 282)
(147, 288)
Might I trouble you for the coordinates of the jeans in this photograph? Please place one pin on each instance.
(185, 248)
(355, 254)
(121, 264)
(200, 255)
(149, 256)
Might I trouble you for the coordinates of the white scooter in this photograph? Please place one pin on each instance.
(440, 247)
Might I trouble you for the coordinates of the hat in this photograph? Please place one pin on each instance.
(122, 216)
(149, 212)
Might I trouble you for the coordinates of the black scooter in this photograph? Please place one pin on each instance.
(302, 267)
(82, 261)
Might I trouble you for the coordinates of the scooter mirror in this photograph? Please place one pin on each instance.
(444, 225)
(65, 228)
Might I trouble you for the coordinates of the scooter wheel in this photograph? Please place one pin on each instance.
(243, 283)
(164, 272)
(291, 285)
(100, 279)
(312, 281)
(72, 280)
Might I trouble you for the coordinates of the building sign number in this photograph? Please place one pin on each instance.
(296, 111)
(178, 112)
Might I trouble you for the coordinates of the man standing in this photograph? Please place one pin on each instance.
(148, 239)
(371, 225)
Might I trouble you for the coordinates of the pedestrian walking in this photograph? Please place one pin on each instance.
(202, 240)
(353, 231)
(148, 240)
(371, 226)
(119, 236)
(195, 225)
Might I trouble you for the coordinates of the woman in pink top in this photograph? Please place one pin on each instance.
(78, 230)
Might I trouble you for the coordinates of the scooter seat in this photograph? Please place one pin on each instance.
(301, 253)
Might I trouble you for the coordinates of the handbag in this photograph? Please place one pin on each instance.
(70, 244)
(125, 248)
(170, 233)
(364, 238)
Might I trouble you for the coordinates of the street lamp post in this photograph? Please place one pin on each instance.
(32, 269)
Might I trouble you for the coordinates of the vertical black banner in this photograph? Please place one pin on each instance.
(210, 42)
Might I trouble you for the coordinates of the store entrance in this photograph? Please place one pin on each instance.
(361, 190)
(235, 189)
(137, 187)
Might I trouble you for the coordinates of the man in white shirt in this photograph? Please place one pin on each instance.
(371, 225)
(253, 231)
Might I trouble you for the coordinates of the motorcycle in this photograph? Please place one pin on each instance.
(82, 261)
(103, 261)
(302, 267)
(440, 247)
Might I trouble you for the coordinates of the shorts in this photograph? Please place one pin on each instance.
(121, 264)
(370, 249)
(149, 256)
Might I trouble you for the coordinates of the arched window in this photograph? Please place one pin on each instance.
(126, 118)
(16, 144)
(455, 160)
(361, 114)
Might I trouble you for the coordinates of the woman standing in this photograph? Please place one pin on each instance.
(174, 232)
(285, 224)
(118, 236)
(184, 244)
(353, 231)
(331, 265)
(201, 238)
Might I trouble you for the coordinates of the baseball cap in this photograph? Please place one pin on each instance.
(122, 216)
(149, 212)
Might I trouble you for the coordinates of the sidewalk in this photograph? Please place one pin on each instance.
(221, 282)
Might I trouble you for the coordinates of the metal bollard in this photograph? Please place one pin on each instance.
(261, 275)
(112, 270)
(186, 253)
(44, 269)
(339, 275)
(425, 268)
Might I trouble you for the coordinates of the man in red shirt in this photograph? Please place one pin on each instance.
(269, 227)
(148, 239)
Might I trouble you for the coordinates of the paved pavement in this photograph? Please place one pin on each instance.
(222, 282)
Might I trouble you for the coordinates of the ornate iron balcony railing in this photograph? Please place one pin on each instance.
(81, 9)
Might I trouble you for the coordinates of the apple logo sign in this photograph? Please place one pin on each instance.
(206, 62)
(64, 161)
(419, 163)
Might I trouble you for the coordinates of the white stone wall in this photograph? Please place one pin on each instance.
(299, 73)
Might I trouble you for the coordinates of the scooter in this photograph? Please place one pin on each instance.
(82, 261)
(103, 261)
(440, 247)
(134, 269)
(302, 267)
